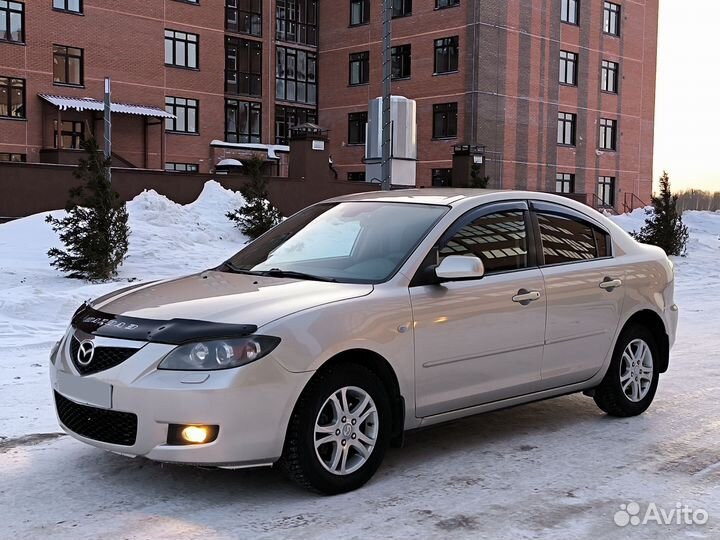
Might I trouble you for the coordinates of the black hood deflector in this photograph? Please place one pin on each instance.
(172, 332)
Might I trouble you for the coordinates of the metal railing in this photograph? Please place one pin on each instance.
(635, 202)
(601, 205)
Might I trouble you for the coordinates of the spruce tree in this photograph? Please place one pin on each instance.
(257, 215)
(663, 226)
(95, 230)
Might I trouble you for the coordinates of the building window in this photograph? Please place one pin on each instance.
(242, 121)
(73, 134)
(12, 98)
(611, 18)
(287, 118)
(243, 66)
(446, 54)
(17, 158)
(244, 16)
(445, 117)
(565, 183)
(442, 177)
(182, 167)
(181, 49)
(296, 21)
(359, 68)
(12, 21)
(186, 115)
(402, 8)
(356, 127)
(568, 68)
(608, 134)
(356, 176)
(566, 128)
(359, 12)
(401, 62)
(440, 4)
(67, 65)
(296, 75)
(569, 11)
(606, 191)
(73, 6)
(609, 78)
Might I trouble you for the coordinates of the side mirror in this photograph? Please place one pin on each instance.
(457, 267)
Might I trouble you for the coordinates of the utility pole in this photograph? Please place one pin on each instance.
(107, 125)
(387, 89)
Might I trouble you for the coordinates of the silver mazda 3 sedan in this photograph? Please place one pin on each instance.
(319, 344)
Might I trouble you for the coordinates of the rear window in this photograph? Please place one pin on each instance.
(569, 239)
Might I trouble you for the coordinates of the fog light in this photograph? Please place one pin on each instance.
(195, 434)
(184, 434)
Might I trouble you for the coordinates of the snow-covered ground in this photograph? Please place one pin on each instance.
(555, 469)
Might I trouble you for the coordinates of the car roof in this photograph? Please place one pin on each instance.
(444, 196)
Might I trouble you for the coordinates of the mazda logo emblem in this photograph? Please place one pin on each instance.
(85, 353)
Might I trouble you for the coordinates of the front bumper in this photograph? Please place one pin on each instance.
(251, 404)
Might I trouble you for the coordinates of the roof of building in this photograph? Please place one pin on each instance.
(89, 104)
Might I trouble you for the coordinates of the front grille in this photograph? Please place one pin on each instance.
(102, 425)
(103, 358)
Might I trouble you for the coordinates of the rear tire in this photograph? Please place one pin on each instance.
(631, 381)
(339, 430)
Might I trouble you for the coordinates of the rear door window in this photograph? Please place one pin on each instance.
(567, 238)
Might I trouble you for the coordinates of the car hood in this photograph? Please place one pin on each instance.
(226, 298)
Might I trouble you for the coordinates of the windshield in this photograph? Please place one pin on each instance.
(354, 242)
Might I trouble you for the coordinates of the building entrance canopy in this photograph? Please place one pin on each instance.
(88, 104)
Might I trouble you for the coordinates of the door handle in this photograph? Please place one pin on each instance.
(609, 284)
(524, 297)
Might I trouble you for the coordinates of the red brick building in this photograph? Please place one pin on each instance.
(199, 72)
(561, 93)
(209, 63)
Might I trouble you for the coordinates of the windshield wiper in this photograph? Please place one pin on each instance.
(277, 272)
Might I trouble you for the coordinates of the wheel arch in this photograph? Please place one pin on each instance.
(385, 372)
(652, 321)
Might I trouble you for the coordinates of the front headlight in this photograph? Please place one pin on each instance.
(220, 354)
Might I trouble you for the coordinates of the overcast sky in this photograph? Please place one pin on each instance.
(687, 120)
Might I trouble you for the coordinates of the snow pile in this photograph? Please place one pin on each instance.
(181, 238)
(632, 221)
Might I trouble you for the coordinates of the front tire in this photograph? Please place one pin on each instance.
(339, 430)
(631, 381)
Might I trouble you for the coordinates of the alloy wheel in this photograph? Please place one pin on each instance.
(346, 430)
(636, 370)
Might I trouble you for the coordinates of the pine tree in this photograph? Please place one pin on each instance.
(257, 215)
(663, 226)
(95, 231)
